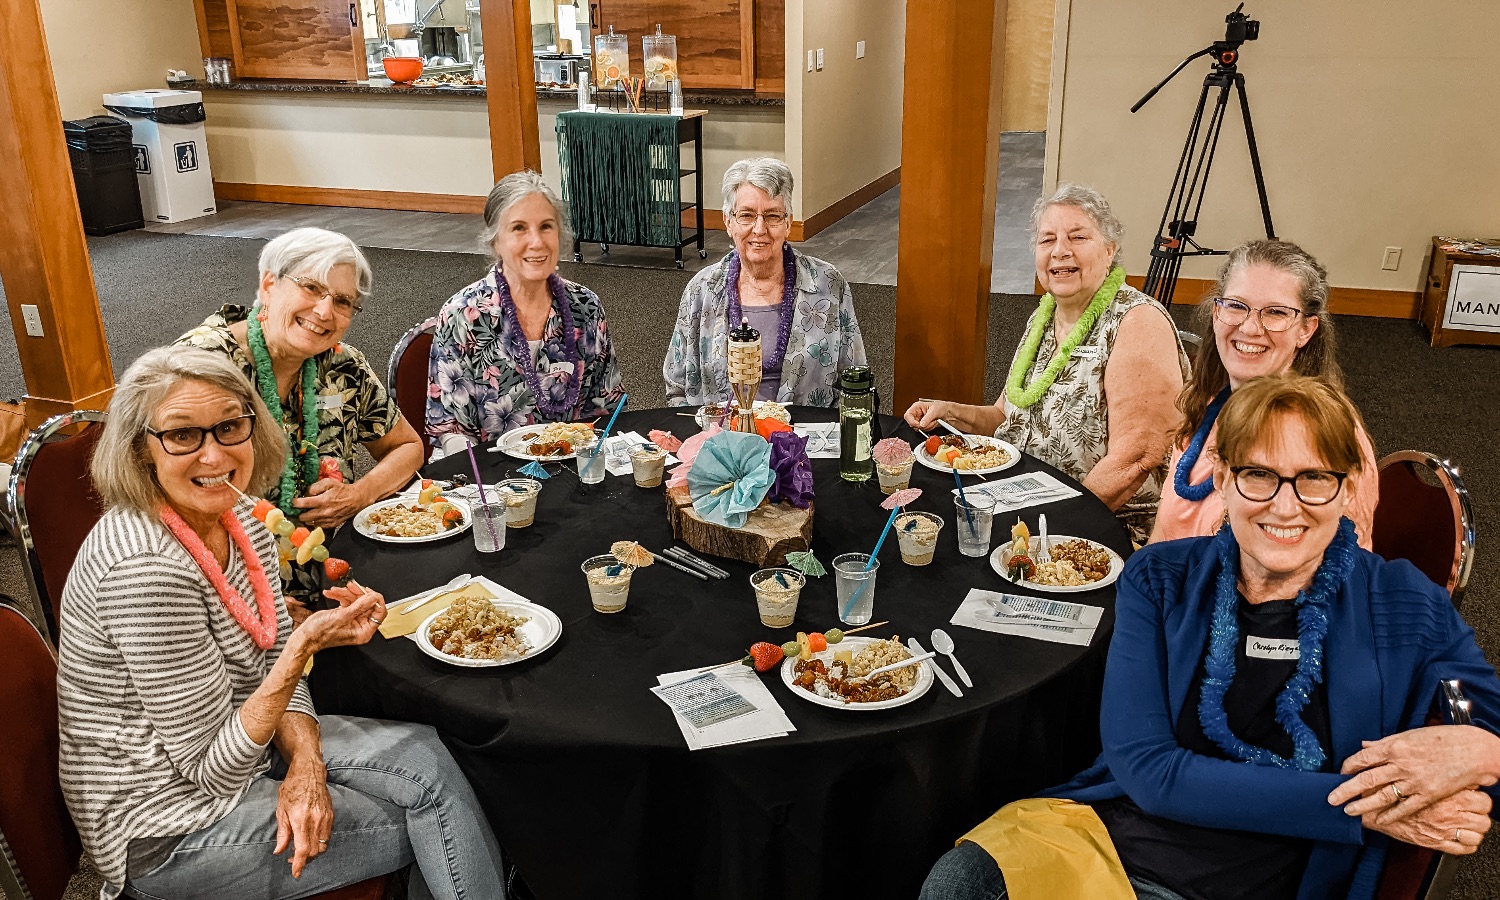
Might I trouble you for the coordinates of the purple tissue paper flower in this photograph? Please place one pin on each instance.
(794, 477)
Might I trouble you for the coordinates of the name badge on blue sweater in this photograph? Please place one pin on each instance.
(1272, 648)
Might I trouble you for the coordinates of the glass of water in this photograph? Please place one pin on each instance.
(489, 526)
(975, 514)
(857, 583)
(590, 458)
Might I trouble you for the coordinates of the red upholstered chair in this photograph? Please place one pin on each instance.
(1424, 516)
(51, 505)
(407, 377)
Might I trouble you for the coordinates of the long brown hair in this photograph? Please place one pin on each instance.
(1318, 357)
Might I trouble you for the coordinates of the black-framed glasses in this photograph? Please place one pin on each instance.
(1271, 318)
(1314, 487)
(343, 304)
(189, 438)
(773, 219)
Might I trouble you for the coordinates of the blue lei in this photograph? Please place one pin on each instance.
(1197, 492)
(1312, 629)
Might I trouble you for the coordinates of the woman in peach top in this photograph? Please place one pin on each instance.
(1269, 315)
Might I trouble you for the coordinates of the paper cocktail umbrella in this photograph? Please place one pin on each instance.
(536, 470)
(803, 561)
(665, 440)
(631, 553)
(891, 452)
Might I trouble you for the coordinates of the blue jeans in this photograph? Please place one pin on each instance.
(967, 872)
(398, 797)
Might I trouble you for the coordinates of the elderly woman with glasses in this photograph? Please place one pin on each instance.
(1264, 699)
(801, 306)
(521, 345)
(189, 750)
(1267, 315)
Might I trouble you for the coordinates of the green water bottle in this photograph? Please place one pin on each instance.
(856, 423)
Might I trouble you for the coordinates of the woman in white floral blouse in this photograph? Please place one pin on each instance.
(801, 306)
(521, 345)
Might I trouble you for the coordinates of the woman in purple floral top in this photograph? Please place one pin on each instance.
(521, 345)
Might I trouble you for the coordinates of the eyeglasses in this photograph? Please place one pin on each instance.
(189, 438)
(774, 219)
(343, 304)
(1314, 487)
(1271, 318)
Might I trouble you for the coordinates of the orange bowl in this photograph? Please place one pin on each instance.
(402, 69)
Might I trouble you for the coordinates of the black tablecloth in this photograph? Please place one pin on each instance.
(583, 772)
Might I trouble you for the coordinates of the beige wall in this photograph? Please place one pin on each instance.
(851, 110)
(1370, 116)
(1028, 65)
(101, 46)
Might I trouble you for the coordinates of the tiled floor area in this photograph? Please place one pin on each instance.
(862, 245)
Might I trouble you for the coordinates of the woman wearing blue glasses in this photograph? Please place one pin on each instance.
(1268, 315)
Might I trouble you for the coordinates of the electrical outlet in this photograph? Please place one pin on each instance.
(811, 59)
(1391, 261)
(859, 49)
(820, 59)
(33, 319)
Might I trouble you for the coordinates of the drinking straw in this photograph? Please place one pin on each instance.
(860, 589)
(607, 429)
(963, 500)
(484, 501)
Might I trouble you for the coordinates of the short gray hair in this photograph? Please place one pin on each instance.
(767, 173)
(509, 191)
(314, 252)
(121, 466)
(1093, 205)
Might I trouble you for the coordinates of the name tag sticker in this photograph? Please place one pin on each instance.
(1088, 351)
(330, 401)
(1272, 648)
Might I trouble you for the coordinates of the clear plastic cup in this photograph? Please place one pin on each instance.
(894, 478)
(489, 526)
(851, 578)
(776, 593)
(917, 533)
(713, 414)
(590, 459)
(647, 465)
(520, 500)
(607, 591)
(975, 513)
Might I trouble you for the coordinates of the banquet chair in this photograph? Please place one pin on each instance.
(1190, 343)
(51, 505)
(407, 377)
(1412, 872)
(1424, 516)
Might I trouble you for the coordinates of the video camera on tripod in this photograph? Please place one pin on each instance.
(1179, 220)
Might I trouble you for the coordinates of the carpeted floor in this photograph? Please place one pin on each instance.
(152, 287)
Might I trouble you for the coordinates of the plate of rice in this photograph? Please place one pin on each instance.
(476, 632)
(548, 442)
(821, 679)
(403, 520)
(1076, 564)
(981, 455)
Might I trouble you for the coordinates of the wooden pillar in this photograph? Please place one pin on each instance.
(510, 84)
(950, 151)
(44, 261)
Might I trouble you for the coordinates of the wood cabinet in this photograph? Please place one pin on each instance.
(718, 41)
(308, 39)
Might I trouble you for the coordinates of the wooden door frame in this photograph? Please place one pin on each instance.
(511, 97)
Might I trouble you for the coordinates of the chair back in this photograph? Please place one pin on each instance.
(1190, 344)
(407, 378)
(52, 504)
(39, 843)
(1424, 516)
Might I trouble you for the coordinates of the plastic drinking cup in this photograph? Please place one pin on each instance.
(973, 519)
(590, 459)
(850, 575)
(489, 526)
(894, 478)
(647, 465)
(917, 533)
(776, 593)
(520, 500)
(609, 582)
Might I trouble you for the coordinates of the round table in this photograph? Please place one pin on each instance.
(583, 772)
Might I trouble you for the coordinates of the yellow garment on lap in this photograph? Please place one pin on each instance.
(1053, 849)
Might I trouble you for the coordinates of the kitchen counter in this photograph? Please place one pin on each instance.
(382, 87)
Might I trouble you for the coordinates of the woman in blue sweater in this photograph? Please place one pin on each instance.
(1262, 701)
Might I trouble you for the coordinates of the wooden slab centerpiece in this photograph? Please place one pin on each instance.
(771, 532)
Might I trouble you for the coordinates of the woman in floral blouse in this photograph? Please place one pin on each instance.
(520, 345)
(801, 306)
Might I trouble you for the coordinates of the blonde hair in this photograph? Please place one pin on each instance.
(121, 466)
(1255, 411)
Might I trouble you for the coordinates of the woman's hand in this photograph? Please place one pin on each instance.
(330, 503)
(1455, 824)
(1402, 774)
(924, 414)
(297, 610)
(304, 814)
(360, 612)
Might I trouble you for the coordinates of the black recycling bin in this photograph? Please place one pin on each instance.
(109, 195)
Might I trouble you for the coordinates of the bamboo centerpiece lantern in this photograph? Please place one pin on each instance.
(744, 373)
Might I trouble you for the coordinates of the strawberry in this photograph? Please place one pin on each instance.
(1022, 566)
(816, 642)
(329, 468)
(763, 656)
(932, 445)
(336, 569)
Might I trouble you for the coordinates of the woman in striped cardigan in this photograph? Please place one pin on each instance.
(190, 751)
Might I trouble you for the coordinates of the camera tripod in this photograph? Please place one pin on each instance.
(1179, 220)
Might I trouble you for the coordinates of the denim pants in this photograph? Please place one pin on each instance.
(967, 872)
(398, 796)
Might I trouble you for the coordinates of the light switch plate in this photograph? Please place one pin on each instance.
(1390, 261)
(859, 49)
(820, 59)
(33, 319)
(811, 59)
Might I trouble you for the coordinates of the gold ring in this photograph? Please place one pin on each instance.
(322, 841)
(1456, 833)
(1397, 792)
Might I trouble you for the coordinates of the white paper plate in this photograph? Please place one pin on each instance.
(926, 459)
(1116, 564)
(759, 404)
(513, 443)
(924, 679)
(542, 630)
(362, 521)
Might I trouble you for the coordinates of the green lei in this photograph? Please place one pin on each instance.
(265, 379)
(1023, 396)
